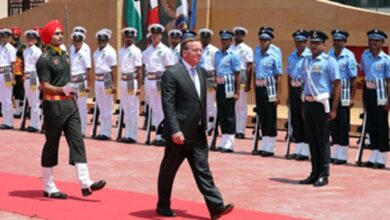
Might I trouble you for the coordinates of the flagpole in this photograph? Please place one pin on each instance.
(208, 11)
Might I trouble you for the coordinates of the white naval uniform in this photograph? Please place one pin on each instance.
(104, 59)
(80, 61)
(208, 60)
(130, 59)
(176, 54)
(246, 56)
(156, 59)
(30, 56)
(7, 57)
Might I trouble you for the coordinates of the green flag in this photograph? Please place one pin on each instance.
(133, 16)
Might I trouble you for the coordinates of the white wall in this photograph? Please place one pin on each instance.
(3, 8)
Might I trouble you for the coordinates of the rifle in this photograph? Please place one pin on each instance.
(24, 114)
(148, 128)
(215, 134)
(289, 133)
(256, 135)
(95, 120)
(146, 114)
(362, 139)
(120, 124)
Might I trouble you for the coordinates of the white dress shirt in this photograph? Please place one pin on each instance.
(193, 75)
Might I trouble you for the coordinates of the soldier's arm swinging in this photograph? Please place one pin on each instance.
(353, 90)
(249, 76)
(237, 80)
(139, 79)
(114, 82)
(336, 99)
(89, 78)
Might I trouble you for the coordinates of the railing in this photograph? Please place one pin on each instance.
(19, 6)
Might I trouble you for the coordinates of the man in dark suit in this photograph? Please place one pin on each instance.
(184, 105)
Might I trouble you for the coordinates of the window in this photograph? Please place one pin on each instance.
(19, 6)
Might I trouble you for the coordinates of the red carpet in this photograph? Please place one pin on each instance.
(23, 195)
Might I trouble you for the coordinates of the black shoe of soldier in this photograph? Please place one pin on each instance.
(339, 162)
(240, 136)
(368, 164)
(31, 129)
(56, 195)
(94, 187)
(227, 151)
(301, 157)
(5, 127)
(267, 154)
(291, 156)
(309, 180)
(159, 143)
(379, 166)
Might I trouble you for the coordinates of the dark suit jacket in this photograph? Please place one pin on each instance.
(183, 109)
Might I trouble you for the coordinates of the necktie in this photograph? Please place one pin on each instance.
(195, 79)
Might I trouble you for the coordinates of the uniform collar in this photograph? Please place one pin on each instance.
(343, 52)
(381, 54)
(55, 50)
(322, 56)
(306, 52)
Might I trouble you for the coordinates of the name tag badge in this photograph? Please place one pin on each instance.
(379, 67)
(317, 69)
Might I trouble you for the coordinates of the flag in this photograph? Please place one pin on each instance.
(133, 16)
(153, 16)
(192, 15)
(181, 14)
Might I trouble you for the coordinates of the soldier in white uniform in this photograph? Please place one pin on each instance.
(157, 58)
(7, 60)
(80, 64)
(246, 56)
(105, 59)
(31, 82)
(207, 62)
(130, 59)
(174, 42)
(84, 45)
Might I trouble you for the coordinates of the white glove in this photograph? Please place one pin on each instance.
(67, 89)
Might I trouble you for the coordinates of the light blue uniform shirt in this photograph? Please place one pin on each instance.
(227, 62)
(375, 67)
(347, 63)
(276, 49)
(323, 71)
(267, 64)
(294, 63)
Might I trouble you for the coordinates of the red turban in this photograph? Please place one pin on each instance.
(17, 31)
(49, 29)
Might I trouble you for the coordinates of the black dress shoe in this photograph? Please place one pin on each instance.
(301, 157)
(166, 212)
(240, 136)
(379, 166)
(94, 187)
(153, 142)
(56, 195)
(291, 156)
(224, 211)
(266, 154)
(322, 181)
(31, 129)
(127, 140)
(257, 152)
(215, 149)
(332, 160)
(5, 127)
(339, 162)
(227, 150)
(159, 143)
(309, 180)
(368, 164)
